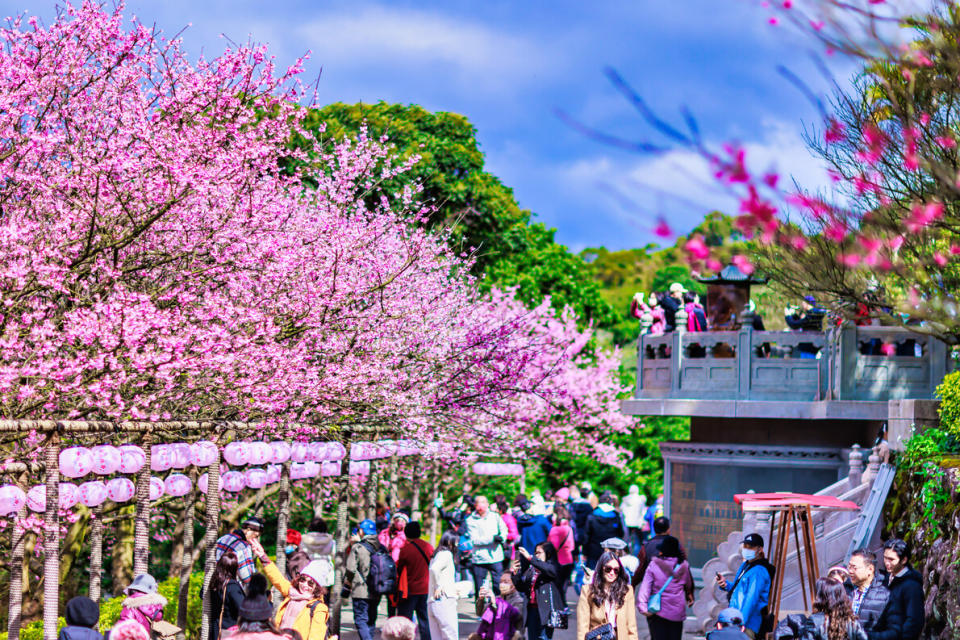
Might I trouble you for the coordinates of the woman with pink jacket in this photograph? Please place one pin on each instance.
(668, 576)
(143, 603)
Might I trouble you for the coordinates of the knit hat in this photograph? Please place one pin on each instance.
(82, 612)
(368, 527)
(563, 493)
(144, 583)
(400, 515)
(321, 571)
(614, 543)
(129, 629)
(257, 608)
(253, 522)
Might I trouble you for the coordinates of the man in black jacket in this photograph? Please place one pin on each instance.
(906, 588)
(870, 599)
(671, 303)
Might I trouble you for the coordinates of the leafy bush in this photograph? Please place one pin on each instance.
(34, 630)
(949, 394)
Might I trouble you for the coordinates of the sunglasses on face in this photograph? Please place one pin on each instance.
(611, 569)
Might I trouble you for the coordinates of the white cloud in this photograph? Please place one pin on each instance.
(390, 36)
(679, 185)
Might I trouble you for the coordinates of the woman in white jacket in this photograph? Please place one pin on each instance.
(442, 608)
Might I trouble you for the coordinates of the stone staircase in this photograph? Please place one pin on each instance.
(834, 531)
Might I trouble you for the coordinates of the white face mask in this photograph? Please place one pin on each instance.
(748, 554)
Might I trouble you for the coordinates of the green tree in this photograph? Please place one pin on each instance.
(474, 206)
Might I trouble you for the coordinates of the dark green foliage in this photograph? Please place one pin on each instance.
(480, 212)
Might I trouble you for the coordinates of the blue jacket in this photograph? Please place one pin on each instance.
(79, 633)
(533, 530)
(752, 592)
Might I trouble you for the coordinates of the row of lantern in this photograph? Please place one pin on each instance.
(497, 469)
(120, 490)
(77, 462)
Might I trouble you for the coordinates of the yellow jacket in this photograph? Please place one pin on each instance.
(311, 622)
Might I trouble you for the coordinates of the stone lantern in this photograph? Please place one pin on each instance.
(728, 293)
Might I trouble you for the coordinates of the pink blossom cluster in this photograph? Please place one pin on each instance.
(164, 254)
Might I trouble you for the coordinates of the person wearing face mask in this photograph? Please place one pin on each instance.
(750, 590)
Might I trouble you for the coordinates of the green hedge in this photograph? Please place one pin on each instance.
(110, 610)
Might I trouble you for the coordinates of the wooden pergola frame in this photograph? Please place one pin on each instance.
(147, 431)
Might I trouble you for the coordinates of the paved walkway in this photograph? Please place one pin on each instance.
(468, 621)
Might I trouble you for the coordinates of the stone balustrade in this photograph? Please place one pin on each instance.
(853, 364)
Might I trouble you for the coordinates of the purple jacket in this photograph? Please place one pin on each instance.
(500, 624)
(673, 601)
(145, 608)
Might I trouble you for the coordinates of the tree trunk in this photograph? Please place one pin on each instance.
(72, 547)
(432, 509)
(96, 554)
(141, 519)
(121, 555)
(185, 566)
(393, 494)
(210, 538)
(283, 517)
(370, 493)
(341, 532)
(415, 498)
(51, 540)
(16, 576)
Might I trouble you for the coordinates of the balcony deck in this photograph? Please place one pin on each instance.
(839, 374)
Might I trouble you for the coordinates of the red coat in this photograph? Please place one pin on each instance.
(416, 564)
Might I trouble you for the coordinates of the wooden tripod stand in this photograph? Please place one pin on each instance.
(795, 510)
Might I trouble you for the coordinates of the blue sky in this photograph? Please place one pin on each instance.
(508, 64)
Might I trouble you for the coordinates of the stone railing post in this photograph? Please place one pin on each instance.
(846, 362)
(641, 354)
(855, 475)
(873, 466)
(646, 321)
(676, 354)
(745, 355)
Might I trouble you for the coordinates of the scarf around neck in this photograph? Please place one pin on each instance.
(296, 601)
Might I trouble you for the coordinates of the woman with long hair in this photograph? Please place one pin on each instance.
(537, 578)
(832, 619)
(667, 575)
(561, 536)
(442, 591)
(608, 600)
(226, 594)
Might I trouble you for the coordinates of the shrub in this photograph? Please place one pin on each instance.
(949, 394)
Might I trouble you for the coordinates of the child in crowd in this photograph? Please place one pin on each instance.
(83, 614)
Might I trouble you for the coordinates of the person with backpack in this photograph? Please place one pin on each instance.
(442, 608)
(750, 590)
(370, 573)
(414, 563)
(603, 523)
(662, 597)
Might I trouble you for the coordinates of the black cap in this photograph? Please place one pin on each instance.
(257, 608)
(82, 612)
(754, 540)
(252, 522)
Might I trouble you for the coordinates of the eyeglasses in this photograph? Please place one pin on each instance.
(611, 569)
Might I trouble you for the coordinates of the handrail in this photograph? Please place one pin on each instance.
(846, 363)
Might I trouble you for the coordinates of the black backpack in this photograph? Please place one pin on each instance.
(383, 570)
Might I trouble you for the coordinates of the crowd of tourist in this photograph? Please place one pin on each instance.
(520, 560)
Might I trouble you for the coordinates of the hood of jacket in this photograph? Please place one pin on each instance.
(319, 543)
(605, 510)
(144, 600)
